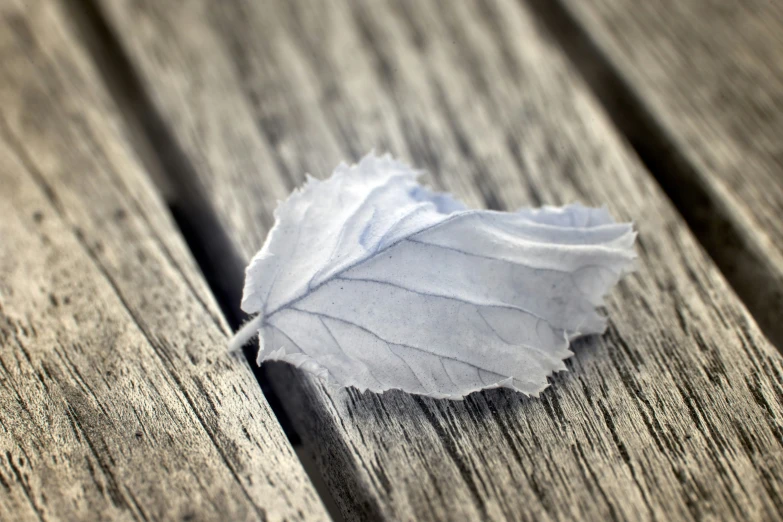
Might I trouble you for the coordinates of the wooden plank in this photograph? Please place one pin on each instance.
(702, 84)
(675, 413)
(117, 398)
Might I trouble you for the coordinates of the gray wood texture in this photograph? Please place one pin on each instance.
(705, 103)
(118, 400)
(675, 414)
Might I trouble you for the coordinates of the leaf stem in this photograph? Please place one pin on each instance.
(244, 334)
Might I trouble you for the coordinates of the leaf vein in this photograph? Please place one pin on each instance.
(442, 296)
(321, 314)
(340, 347)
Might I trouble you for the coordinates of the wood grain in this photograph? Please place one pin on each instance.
(703, 81)
(674, 414)
(117, 398)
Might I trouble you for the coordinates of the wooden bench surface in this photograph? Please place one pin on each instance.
(484, 100)
(117, 397)
(676, 413)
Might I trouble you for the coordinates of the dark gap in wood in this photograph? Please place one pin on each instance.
(311, 467)
(162, 157)
(746, 269)
(204, 247)
(220, 263)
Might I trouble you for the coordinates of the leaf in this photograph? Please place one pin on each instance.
(370, 280)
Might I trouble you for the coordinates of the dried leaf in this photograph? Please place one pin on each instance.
(370, 280)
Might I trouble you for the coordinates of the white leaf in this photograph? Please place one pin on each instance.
(370, 280)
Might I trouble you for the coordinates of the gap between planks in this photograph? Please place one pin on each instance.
(103, 304)
(171, 171)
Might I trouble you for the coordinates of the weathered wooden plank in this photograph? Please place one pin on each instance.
(702, 84)
(674, 414)
(117, 399)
